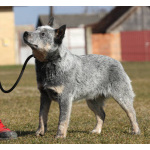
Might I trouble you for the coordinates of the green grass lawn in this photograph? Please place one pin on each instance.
(19, 111)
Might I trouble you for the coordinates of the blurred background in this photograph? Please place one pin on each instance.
(121, 32)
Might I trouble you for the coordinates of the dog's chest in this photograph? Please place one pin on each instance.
(49, 74)
(54, 74)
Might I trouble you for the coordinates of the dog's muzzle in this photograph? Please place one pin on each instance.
(25, 37)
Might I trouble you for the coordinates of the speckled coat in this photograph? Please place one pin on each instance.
(65, 77)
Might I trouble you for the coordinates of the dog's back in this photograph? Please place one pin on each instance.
(99, 75)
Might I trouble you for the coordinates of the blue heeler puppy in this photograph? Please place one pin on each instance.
(65, 77)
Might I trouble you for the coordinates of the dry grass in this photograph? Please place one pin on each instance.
(19, 111)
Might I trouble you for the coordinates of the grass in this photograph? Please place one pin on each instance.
(19, 111)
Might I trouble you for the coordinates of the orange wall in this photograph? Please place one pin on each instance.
(107, 44)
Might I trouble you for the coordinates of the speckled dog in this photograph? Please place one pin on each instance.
(65, 77)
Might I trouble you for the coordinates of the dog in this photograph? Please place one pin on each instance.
(65, 77)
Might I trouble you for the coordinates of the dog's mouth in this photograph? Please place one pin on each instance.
(31, 45)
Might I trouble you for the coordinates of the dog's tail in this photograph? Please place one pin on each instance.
(21, 73)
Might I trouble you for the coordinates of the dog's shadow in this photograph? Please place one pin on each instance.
(78, 131)
(24, 133)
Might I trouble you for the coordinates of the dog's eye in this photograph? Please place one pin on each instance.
(43, 34)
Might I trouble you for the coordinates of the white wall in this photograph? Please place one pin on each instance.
(75, 40)
(24, 53)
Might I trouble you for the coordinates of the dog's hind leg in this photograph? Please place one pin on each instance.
(127, 106)
(96, 106)
(43, 115)
(121, 91)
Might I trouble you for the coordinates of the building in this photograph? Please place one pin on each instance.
(7, 36)
(123, 34)
(75, 33)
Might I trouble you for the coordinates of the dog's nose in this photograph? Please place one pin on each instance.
(25, 34)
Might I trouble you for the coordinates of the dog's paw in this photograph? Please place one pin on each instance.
(95, 131)
(39, 132)
(136, 133)
(60, 136)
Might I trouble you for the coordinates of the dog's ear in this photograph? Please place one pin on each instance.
(50, 23)
(59, 34)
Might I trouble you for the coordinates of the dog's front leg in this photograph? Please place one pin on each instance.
(44, 109)
(65, 106)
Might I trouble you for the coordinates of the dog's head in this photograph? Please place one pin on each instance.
(44, 40)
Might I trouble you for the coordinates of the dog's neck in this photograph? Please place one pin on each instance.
(60, 57)
(60, 54)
